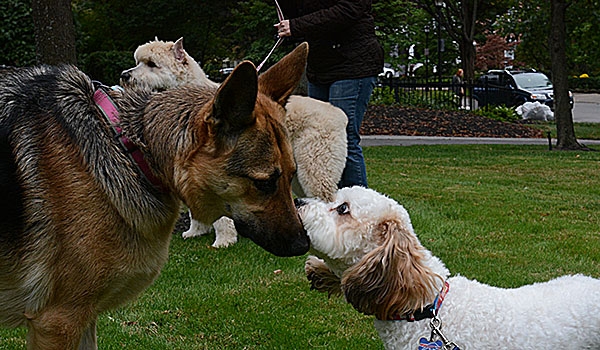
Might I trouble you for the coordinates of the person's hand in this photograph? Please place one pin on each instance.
(283, 28)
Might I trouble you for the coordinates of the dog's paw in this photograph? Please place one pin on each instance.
(196, 229)
(312, 263)
(225, 233)
(321, 278)
(224, 243)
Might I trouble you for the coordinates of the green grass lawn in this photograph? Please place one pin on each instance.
(504, 215)
(583, 131)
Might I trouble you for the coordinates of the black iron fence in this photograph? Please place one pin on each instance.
(434, 94)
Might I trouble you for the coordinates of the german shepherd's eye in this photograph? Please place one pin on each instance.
(268, 186)
(343, 209)
(151, 64)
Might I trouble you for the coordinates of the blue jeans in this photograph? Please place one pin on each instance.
(352, 96)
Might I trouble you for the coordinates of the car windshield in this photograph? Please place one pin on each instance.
(532, 81)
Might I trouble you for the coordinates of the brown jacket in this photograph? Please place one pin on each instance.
(341, 38)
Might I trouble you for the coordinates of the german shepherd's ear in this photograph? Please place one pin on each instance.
(233, 107)
(281, 79)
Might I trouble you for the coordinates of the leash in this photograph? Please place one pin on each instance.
(110, 112)
(279, 40)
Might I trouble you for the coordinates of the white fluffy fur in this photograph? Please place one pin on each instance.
(563, 313)
(317, 129)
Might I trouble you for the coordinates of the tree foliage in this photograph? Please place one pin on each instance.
(109, 31)
(399, 25)
(464, 21)
(530, 22)
(17, 45)
(491, 55)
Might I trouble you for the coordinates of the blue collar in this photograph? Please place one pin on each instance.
(429, 311)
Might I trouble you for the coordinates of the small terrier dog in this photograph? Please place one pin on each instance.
(371, 255)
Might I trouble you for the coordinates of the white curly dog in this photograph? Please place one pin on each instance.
(372, 256)
(317, 130)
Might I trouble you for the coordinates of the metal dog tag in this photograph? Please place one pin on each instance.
(436, 332)
(425, 344)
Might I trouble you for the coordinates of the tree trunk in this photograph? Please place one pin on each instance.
(54, 31)
(468, 56)
(562, 109)
(467, 35)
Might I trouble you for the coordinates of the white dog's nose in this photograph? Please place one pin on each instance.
(298, 202)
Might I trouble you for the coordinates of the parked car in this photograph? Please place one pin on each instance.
(226, 71)
(513, 88)
(388, 71)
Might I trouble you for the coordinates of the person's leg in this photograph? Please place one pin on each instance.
(319, 91)
(352, 96)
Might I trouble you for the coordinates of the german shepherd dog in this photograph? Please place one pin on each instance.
(316, 129)
(86, 225)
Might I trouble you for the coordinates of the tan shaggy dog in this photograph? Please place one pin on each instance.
(90, 196)
(317, 130)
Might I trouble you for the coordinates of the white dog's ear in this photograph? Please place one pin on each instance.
(178, 50)
(279, 81)
(321, 278)
(391, 279)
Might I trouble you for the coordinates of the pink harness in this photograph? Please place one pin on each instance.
(111, 113)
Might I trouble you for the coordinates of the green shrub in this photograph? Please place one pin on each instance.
(501, 113)
(17, 44)
(590, 84)
(383, 96)
(434, 99)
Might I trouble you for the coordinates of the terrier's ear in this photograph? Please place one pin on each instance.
(178, 50)
(233, 104)
(391, 279)
(321, 277)
(279, 81)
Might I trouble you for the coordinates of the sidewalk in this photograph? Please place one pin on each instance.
(386, 140)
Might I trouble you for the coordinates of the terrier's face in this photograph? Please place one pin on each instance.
(349, 227)
(367, 241)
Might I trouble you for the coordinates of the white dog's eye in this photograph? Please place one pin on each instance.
(151, 64)
(343, 209)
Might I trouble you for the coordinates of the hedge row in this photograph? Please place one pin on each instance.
(591, 84)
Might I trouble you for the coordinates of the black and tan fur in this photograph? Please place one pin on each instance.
(81, 232)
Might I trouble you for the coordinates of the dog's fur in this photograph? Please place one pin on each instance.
(317, 130)
(81, 232)
(372, 256)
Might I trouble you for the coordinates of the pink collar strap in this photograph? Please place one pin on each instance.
(109, 110)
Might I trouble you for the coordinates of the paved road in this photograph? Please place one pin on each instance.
(586, 109)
